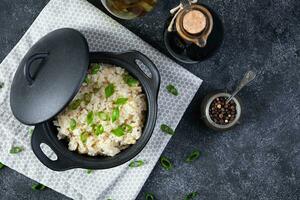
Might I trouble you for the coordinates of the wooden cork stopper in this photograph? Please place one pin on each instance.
(194, 22)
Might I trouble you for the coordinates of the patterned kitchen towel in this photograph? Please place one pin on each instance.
(103, 34)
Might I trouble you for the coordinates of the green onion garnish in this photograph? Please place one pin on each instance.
(75, 104)
(87, 98)
(1, 165)
(149, 196)
(136, 163)
(90, 117)
(121, 101)
(87, 80)
(172, 90)
(89, 171)
(127, 128)
(192, 156)
(15, 150)
(38, 186)
(103, 116)
(109, 90)
(99, 129)
(115, 114)
(166, 129)
(191, 195)
(166, 163)
(118, 132)
(83, 137)
(72, 124)
(129, 80)
(95, 68)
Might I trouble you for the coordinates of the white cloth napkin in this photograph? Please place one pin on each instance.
(103, 34)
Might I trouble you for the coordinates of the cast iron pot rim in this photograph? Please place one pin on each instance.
(88, 162)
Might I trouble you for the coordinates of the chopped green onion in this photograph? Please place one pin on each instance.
(75, 104)
(83, 137)
(103, 116)
(38, 186)
(95, 68)
(115, 114)
(72, 124)
(87, 80)
(118, 132)
(109, 90)
(127, 128)
(166, 163)
(121, 101)
(15, 150)
(172, 90)
(149, 196)
(129, 80)
(90, 117)
(87, 98)
(99, 130)
(136, 163)
(166, 129)
(193, 156)
(191, 195)
(89, 171)
(2, 165)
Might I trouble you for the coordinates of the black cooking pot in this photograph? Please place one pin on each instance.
(50, 76)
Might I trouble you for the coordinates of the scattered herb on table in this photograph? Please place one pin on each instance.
(95, 68)
(129, 80)
(149, 196)
(90, 117)
(127, 128)
(121, 101)
(103, 116)
(89, 171)
(172, 90)
(191, 196)
(72, 124)
(115, 114)
(30, 131)
(193, 156)
(99, 129)
(166, 129)
(15, 150)
(166, 163)
(83, 137)
(38, 186)
(118, 132)
(109, 90)
(87, 98)
(75, 104)
(1, 165)
(136, 163)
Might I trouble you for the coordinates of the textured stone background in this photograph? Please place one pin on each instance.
(260, 158)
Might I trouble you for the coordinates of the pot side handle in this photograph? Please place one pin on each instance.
(133, 55)
(38, 137)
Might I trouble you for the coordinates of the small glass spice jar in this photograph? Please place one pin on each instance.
(218, 115)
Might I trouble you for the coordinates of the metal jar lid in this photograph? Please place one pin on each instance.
(49, 76)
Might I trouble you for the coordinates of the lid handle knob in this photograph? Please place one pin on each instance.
(30, 60)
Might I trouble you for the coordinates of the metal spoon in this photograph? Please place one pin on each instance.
(248, 77)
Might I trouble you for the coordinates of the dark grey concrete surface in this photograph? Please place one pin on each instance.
(260, 158)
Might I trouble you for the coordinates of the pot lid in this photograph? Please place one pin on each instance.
(49, 76)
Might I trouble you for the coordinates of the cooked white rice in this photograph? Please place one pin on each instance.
(83, 137)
